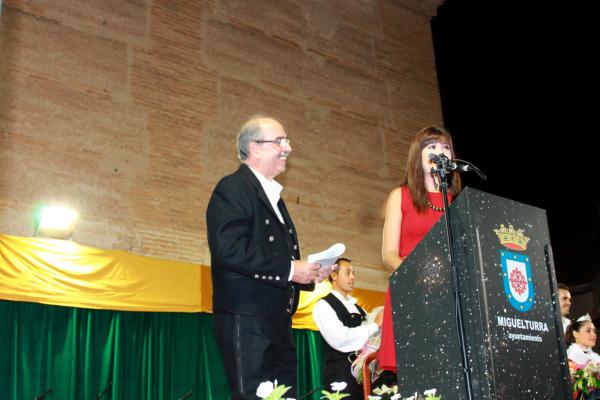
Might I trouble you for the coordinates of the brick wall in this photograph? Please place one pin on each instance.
(128, 112)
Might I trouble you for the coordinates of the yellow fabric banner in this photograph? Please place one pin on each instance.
(64, 273)
(61, 272)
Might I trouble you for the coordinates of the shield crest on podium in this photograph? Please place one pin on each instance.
(518, 285)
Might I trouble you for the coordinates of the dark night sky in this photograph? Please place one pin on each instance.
(518, 82)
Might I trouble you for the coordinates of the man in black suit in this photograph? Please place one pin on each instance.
(256, 267)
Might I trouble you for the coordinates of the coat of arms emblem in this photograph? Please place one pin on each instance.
(516, 270)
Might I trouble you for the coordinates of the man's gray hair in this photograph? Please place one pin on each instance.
(249, 132)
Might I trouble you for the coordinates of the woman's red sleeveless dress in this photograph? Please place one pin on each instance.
(414, 228)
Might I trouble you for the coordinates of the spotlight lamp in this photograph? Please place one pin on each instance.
(55, 222)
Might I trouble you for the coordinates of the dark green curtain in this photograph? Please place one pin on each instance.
(310, 363)
(158, 356)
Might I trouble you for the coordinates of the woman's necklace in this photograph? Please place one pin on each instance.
(434, 208)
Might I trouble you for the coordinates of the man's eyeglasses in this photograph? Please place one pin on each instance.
(279, 141)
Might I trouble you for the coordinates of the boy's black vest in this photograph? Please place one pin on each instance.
(351, 320)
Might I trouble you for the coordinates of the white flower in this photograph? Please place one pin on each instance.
(430, 392)
(265, 389)
(374, 398)
(337, 386)
(397, 396)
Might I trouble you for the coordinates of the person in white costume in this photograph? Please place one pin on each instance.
(581, 337)
(344, 326)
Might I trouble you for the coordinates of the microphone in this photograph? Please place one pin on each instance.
(442, 161)
(41, 396)
(185, 396)
(435, 157)
(455, 164)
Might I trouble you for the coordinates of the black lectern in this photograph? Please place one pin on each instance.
(513, 331)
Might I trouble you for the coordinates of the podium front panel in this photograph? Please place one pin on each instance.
(512, 328)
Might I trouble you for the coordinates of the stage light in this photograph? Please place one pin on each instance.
(55, 222)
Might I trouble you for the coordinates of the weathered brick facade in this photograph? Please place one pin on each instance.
(128, 112)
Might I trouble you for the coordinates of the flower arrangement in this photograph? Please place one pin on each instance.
(586, 381)
(384, 393)
(271, 391)
(335, 387)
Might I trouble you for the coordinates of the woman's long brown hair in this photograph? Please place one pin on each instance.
(415, 178)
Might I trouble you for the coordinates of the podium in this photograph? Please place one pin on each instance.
(512, 325)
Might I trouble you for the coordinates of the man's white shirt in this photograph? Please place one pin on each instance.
(338, 336)
(273, 190)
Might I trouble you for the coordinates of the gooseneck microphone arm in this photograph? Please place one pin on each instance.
(466, 166)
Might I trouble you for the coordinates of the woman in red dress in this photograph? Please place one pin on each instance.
(411, 210)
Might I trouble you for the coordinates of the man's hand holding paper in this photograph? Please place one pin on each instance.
(327, 259)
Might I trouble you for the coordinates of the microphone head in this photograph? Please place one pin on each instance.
(438, 157)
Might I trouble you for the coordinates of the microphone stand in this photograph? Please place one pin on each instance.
(309, 393)
(41, 396)
(443, 166)
(185, 396)
(106, 389)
